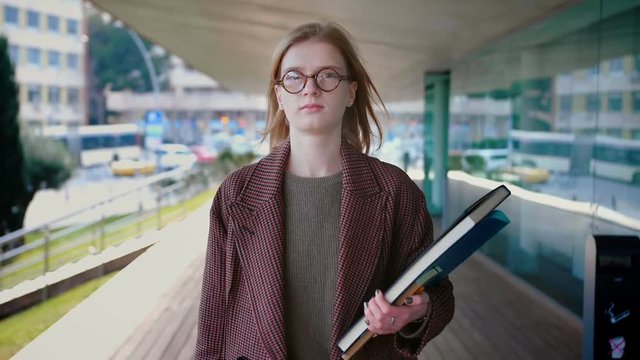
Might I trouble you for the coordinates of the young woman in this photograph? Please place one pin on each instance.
(299, 241)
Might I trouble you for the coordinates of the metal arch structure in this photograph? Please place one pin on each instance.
(233, 41)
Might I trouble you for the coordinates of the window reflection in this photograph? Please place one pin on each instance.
(555, 116)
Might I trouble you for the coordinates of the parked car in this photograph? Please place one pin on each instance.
(484, 159)
(240, 145)
(171, 156)
(132, 167)
(204, 155)
(531, 175)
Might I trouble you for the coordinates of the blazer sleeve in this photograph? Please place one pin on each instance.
(413, 230)
(212, 301)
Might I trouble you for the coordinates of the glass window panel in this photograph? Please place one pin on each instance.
(591, 157)
(53, 23)
(33, 19)
(636, 101)
(593, 102)
(33, 94)
(565, 103)
(615, 102)
(616, 66)
(72, 61)
(14, 54)
(33, 56)
(54, 95)
(11, 15)
(72, 27)
(73, 96)
(54, 59)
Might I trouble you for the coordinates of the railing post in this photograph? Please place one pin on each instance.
(102, 231)
(47, 237)
(139, 215)
(158, 208)
(1, 268)
(185, 194)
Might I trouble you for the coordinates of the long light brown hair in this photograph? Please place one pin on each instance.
(356, 127)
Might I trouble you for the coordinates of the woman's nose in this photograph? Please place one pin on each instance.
(311, 87)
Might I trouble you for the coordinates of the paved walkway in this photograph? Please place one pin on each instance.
(497, 317)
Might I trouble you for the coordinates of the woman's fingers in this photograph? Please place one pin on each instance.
(384, 318)
(417, 300)
(376, 312)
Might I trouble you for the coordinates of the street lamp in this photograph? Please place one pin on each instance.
(147, 61)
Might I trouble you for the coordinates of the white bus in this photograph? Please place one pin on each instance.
(617, 159)
(494, 159)
(551, 151)
(602, 156)
(99, 144)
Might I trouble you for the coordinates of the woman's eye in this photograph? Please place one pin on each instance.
(293, 76)
(329, 75)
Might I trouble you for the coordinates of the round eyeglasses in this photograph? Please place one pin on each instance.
(326, 80)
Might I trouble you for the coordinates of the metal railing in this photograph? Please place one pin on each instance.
(105, 223)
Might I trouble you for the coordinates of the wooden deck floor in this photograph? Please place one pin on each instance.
(497, 317)
(169, 332)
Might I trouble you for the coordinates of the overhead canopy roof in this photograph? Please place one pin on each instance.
(233, 41)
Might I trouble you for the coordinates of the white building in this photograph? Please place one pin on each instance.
(194, 106)
(603, 99)
(47, 46)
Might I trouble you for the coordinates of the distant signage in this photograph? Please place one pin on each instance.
(154, 128)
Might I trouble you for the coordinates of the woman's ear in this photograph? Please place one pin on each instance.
(352, 92)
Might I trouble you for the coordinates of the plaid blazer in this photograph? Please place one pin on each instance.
(384, 225)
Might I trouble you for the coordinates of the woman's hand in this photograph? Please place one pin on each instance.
(384, 318)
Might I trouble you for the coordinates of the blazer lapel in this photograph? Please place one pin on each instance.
(361, 234)
(259, 219)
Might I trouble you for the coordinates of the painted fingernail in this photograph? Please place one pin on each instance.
(408, 300)
(366, 306)
(367, 322)
(377, 291)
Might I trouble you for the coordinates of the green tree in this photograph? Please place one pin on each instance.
(28, 163)
(116, 62)
(48, 163)
(12, 167)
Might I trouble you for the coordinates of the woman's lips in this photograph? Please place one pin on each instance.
(312, 107)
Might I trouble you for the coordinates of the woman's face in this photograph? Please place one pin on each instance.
(312, 110)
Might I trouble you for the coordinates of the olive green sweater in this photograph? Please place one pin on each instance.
(312, 241)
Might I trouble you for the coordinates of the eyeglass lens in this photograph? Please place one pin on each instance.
(326, 79)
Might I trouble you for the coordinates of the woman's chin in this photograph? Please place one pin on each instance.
(315, 127)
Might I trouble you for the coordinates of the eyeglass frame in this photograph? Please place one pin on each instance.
(315, 79)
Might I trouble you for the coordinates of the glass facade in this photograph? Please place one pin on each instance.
(554, 110)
